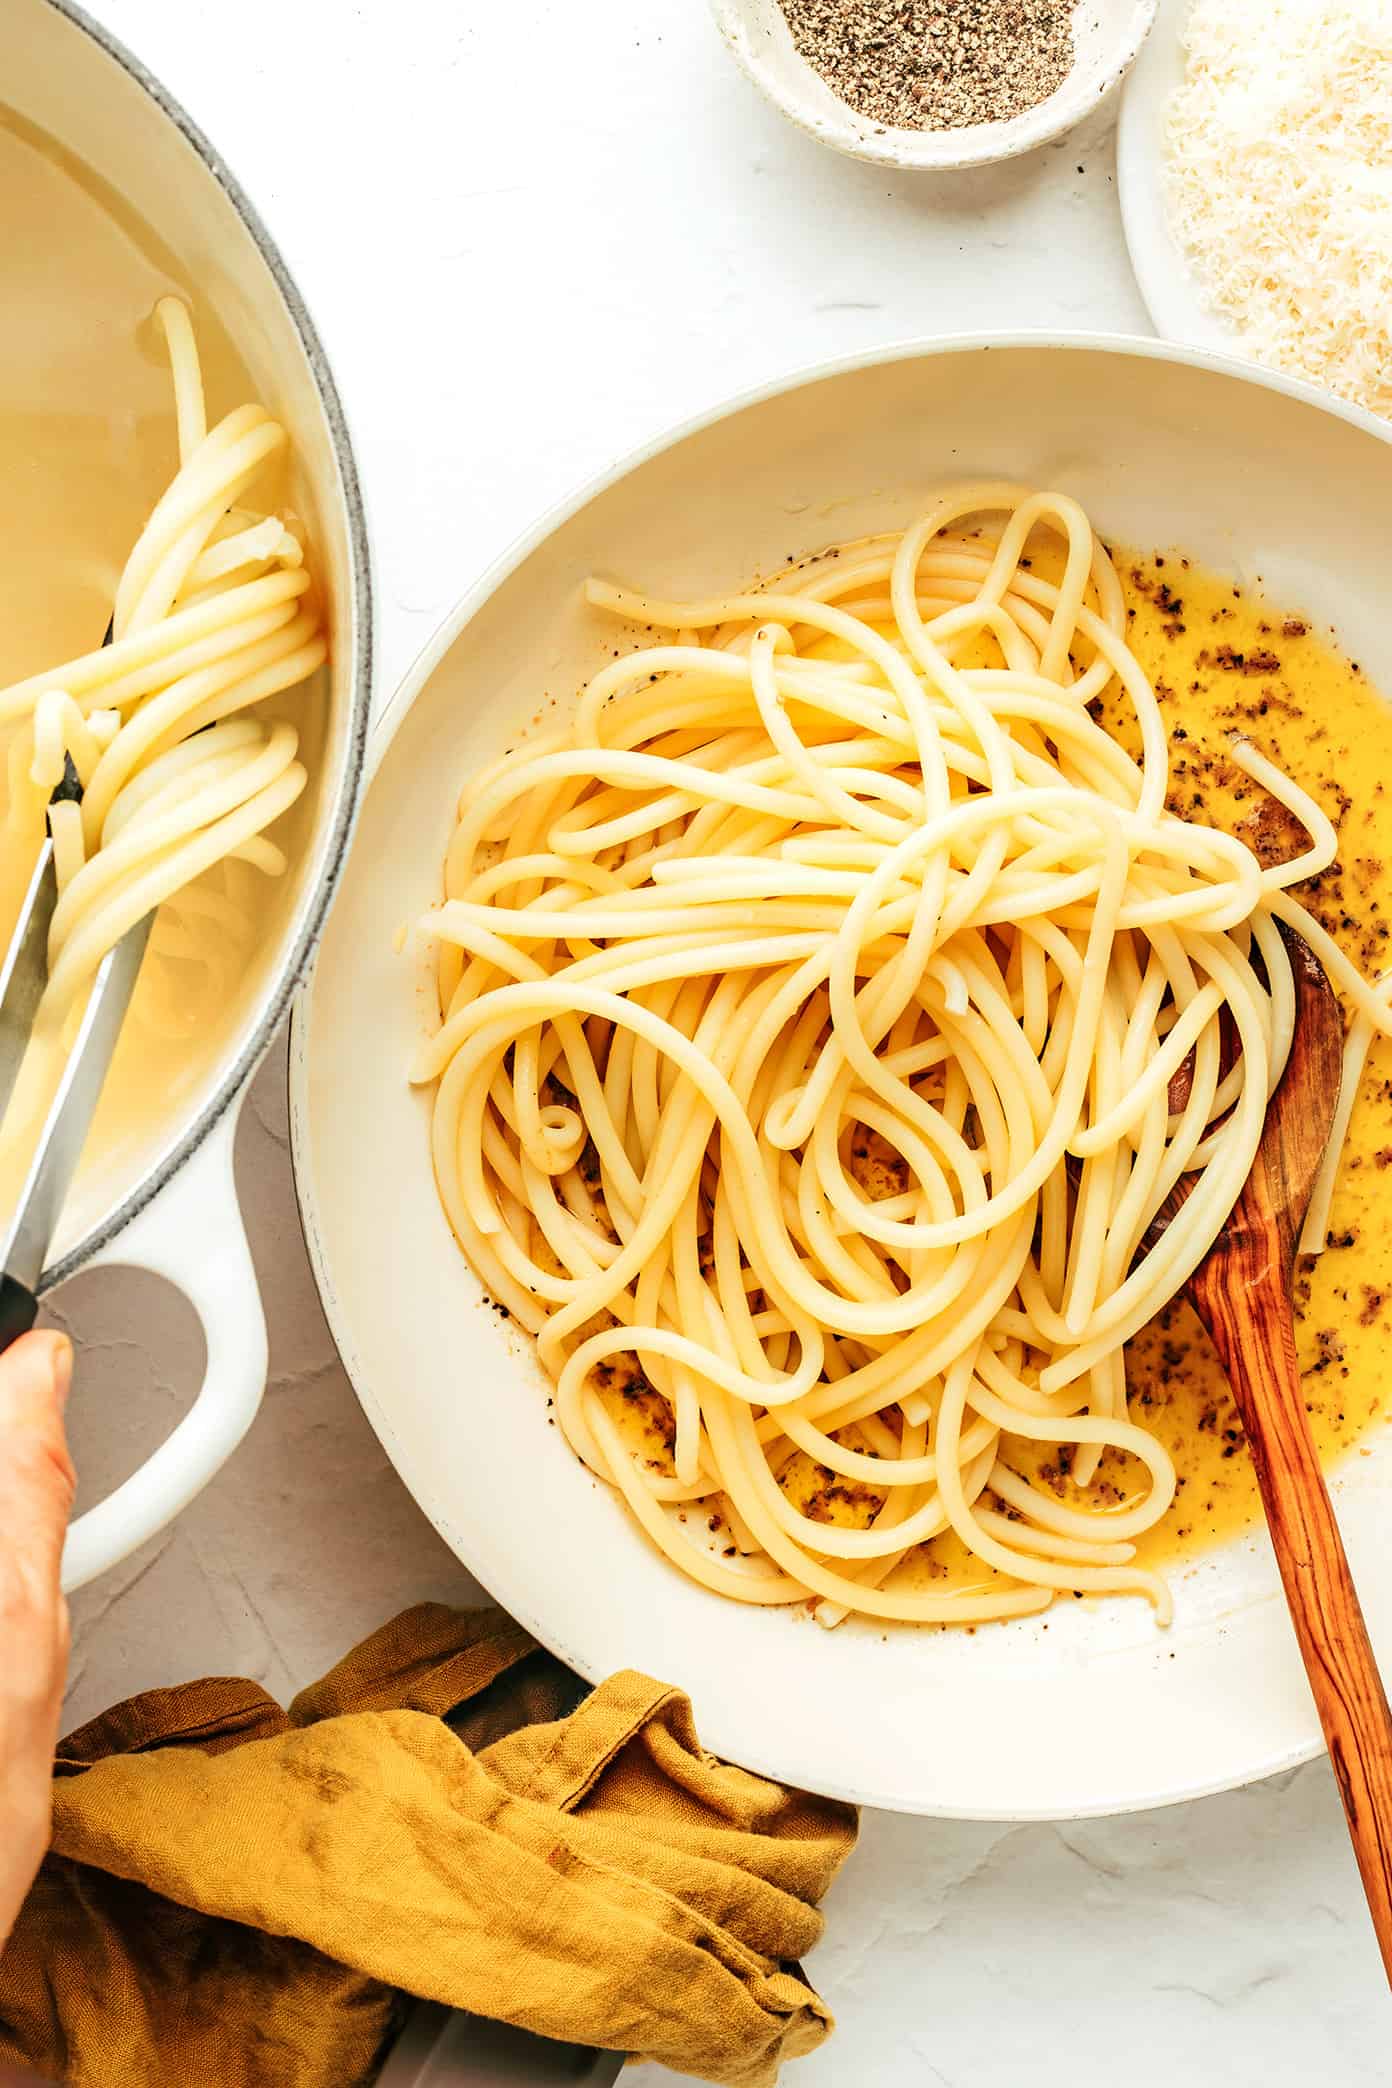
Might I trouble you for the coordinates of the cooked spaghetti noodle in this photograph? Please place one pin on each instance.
(179, 773)
(811, 1008)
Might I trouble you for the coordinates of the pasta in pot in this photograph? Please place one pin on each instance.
(840, 875)
(179, 771)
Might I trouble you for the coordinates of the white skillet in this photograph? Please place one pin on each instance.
(1090, 1709)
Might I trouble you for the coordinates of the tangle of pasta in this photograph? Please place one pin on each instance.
(178, 773)
(810, 1008)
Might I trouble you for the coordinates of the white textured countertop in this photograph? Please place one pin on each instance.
(532, 234)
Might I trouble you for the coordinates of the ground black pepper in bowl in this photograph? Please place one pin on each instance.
(936, 64)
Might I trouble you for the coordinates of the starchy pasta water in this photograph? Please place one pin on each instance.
(163, 727)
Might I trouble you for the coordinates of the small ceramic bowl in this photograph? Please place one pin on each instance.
(1107, 35)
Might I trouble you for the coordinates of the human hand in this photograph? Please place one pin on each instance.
(36, 1494)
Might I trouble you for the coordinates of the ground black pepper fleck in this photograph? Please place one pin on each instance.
(936, 64)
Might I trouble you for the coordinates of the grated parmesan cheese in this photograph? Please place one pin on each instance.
(1279, 182)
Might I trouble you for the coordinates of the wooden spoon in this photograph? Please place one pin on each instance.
(1241, 1291)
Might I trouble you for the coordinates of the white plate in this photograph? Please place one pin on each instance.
(1166, 280)
(1090, 1709)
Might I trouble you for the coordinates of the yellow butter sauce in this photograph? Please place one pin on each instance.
(1224, 660)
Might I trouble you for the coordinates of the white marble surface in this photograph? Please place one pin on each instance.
(533, 233)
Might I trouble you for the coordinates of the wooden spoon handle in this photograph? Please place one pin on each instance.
(1248, 1315)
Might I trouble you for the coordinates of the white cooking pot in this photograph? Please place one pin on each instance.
(163, 1197)
(1089, 1708)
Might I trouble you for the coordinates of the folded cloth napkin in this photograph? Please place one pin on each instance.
(235, 1894)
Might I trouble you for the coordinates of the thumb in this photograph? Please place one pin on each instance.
(36, 1474)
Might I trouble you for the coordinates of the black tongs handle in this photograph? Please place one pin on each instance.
(28, 1230)
(19, 1309)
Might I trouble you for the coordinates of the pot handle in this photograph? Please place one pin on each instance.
(191, 1233)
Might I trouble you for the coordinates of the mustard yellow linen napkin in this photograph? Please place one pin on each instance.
(235, 1894)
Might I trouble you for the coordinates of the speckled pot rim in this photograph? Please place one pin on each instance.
(348, 787)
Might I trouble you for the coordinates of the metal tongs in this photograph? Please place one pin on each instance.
(25, 1239)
